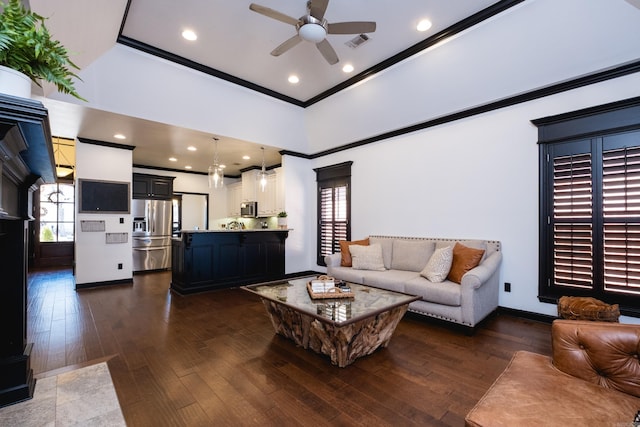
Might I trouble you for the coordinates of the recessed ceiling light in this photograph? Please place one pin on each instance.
(187, 167)
(119, 136)
(293, 79)
(424, 25)
(246, 158)
(189, 35)
(173, 159)
(348, 68)
(192, 148)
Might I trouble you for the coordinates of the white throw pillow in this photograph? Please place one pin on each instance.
(367, 257)
(439, 265)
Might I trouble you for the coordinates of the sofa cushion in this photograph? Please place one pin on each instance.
(411, 255)
(464, 259)
(445, 293)
(393, 280)
(387, 248)
(346, 254)
(439, 264)
(367, 257)
(347, 273)
(531, 392)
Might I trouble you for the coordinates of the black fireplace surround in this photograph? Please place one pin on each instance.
(26, 161)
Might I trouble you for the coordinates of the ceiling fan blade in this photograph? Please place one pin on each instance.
(273, 14)
(317, 8)
(327, 51)
(288, 44)
(351, 27)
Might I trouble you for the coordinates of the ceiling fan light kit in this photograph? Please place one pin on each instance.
(312, 27)
(312, 32)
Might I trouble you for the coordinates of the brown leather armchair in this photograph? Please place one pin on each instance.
(592, 379)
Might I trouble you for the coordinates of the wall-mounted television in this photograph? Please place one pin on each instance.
(104, 196)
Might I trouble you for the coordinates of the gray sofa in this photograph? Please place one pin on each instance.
(404, 258)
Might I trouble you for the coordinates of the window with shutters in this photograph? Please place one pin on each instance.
(333, 208)
(590, 218)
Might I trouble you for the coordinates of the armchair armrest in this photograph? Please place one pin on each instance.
(333, 260)
(602, 353)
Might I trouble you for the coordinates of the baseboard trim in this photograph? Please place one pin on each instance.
(529, 315)
(128, 281)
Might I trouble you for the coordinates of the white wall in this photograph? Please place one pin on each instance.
(300, 205)
(194, 212)
(97, 261)
(531, 45)
(474, 178)
(133, 83)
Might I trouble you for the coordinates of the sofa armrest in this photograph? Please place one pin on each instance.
(479, 290)
(333, 260)
(481, 273)
(602, 353)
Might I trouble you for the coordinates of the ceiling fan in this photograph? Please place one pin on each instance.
(312, 27)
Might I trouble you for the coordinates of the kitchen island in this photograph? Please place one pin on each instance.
(203, 260)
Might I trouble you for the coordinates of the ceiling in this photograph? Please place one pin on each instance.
(155, 143)
(234, 43)
(237, 41)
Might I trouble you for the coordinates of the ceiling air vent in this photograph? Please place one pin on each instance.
(357, 41)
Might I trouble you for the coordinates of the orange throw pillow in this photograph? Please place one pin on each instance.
(344, 250)
(464, 259)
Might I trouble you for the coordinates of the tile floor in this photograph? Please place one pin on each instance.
(83, 396)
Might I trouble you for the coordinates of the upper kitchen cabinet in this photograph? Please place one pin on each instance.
(271, 200)
(152, 187)
(234, 199)
(250, 186)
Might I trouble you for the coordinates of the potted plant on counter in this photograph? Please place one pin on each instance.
(26, 47)
(282, 219)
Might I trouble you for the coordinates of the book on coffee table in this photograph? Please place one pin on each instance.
(328, 289)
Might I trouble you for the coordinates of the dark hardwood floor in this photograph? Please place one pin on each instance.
(213, 359)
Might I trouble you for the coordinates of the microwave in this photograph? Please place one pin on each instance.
(249, 209)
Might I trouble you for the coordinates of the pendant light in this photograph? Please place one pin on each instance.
(64, 167)
(263, 173)
(216, 176)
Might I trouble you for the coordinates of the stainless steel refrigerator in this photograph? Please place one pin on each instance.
(151, 238)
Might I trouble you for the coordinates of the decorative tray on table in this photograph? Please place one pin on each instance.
(325, 287)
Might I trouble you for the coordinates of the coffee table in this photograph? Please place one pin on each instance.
(343, 328)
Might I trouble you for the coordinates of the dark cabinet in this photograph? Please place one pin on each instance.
(152, 187)
(209, 260)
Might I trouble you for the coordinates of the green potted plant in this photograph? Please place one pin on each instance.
(282, 219)
(26, 46)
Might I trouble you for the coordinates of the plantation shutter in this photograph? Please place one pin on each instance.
(573, 221)
(590, 204)
(333, 220)
(621, 213)
(333, 208)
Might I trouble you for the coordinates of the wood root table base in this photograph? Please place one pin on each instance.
(342, 343)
